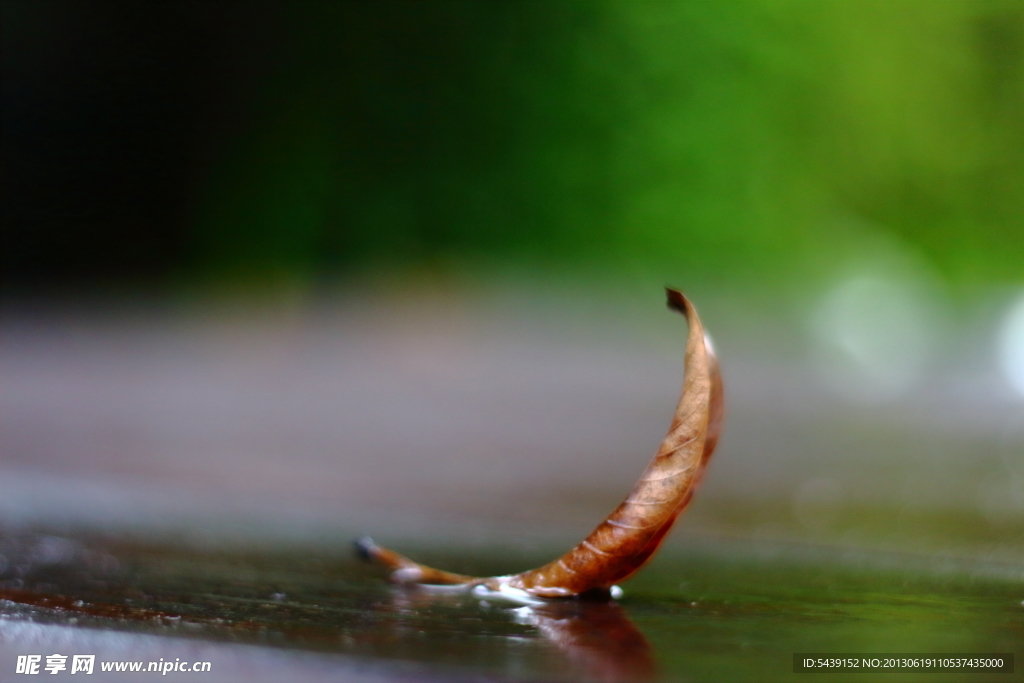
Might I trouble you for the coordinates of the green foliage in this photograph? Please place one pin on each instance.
(738, 138)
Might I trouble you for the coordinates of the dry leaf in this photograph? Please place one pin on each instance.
(628, 537)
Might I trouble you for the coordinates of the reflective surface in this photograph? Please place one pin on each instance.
(712, 610)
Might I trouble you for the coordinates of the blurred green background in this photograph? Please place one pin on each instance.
(754, 143)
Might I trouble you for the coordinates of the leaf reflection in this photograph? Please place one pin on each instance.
(598, 638)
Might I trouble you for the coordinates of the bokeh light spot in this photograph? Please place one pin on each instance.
(872, 337)
(1011, 346)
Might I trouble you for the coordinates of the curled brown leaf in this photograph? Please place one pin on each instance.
(630, 535)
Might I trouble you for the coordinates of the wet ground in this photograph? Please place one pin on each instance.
(715, 610)
(183, 483)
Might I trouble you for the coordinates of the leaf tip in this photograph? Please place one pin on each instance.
(364, 548)
(676, 301)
